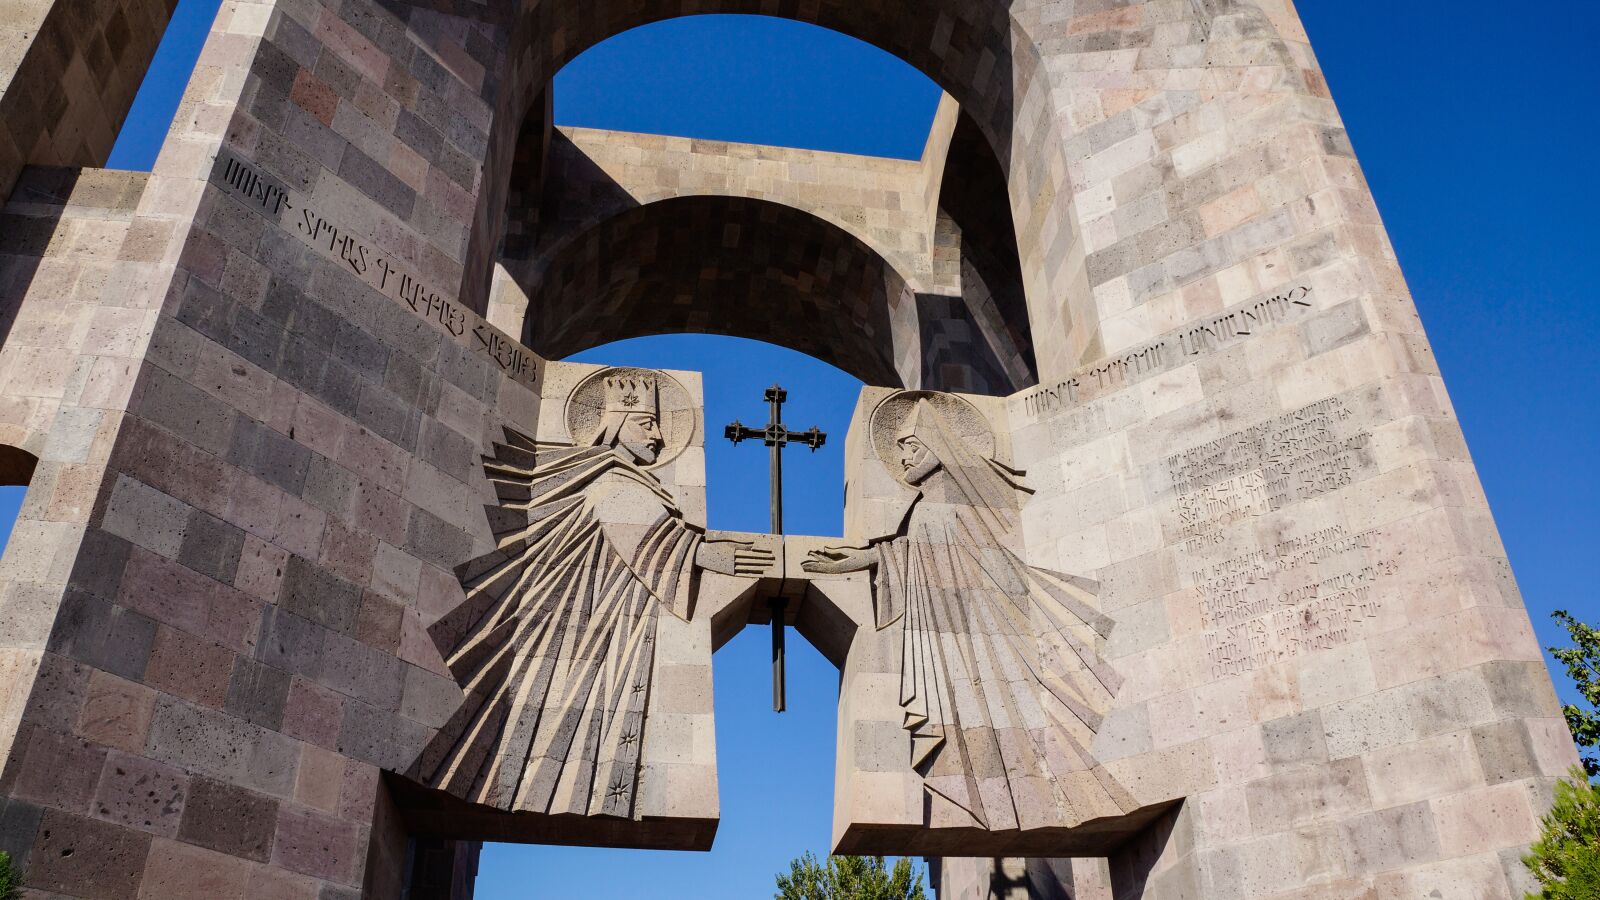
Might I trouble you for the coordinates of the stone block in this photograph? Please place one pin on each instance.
(193, 668)
(229, 820)
(1481, 820)
(315, 594)
(58, 770)
(140, 794)
(82, 857)
(180, 871)
(257, 693)
(1392, 838)
(318, 845)
(116, 712)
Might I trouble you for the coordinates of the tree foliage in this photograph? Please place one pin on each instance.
(850, 878)
(1583, 667)
(10, 878)
(1566, 858)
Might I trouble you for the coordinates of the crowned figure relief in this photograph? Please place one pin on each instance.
(555, 643)
(1001, 684)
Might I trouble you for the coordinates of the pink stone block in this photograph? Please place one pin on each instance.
(261, 568)
(318, 845)
(313, 713)
(59, 771)
(190, 667)
(358, 796)
(272, 883)
(179, 871)
(116, 712)
(140, 794)
(320, 779)
(1483, 820)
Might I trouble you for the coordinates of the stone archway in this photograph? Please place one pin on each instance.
(981, 54)
(740, 267)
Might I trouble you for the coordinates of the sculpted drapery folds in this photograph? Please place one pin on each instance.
(555, 644)
(1001, 684)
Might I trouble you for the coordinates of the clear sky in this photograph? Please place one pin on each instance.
(1475, 124)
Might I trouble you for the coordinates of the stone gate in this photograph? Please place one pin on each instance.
(1167, 568)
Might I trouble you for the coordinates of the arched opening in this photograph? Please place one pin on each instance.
(1020, 275)
(733, 266)
(775, 773)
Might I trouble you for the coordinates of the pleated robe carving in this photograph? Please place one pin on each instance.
(1002, 687)
(555, 644)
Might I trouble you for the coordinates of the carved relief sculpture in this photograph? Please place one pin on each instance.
(1001, 684)
(555, 643)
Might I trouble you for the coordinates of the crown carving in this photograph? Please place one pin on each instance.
(632, 394)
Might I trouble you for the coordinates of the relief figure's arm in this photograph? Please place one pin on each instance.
(839, 560)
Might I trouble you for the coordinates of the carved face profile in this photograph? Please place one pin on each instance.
(909, 428)
(916, 456)
(644, 415)
(639, 436)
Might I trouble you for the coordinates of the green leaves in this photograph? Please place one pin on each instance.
(1566, 858)
(10, 878)
(850, 878)
(1582, 661)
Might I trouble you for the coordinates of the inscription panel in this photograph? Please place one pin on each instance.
(1310, 452)
(1170, 352)
(264, 195)
(1313, 591)
(1308, 593)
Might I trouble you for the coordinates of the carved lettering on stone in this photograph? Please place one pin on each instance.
(1304, 454)
(1002, 685)
(1307, 593)
(555, 644)
(1314, 591)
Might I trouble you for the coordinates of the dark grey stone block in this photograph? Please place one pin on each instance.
(318, 595)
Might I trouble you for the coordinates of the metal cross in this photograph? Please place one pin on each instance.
(776, 436)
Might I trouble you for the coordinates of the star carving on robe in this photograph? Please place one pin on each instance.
(638, 687)
(618, 790)
(628, 738)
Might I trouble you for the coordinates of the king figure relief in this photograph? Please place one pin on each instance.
(555, 643)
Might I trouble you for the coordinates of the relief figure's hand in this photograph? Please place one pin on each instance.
(838, 560)
(741, 558)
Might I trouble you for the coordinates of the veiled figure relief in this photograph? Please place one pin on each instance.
(1000, 682)
(555, 644)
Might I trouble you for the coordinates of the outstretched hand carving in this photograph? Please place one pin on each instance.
(555, 644)
(1002, 686)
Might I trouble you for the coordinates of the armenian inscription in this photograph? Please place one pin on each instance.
(1312, 451)
(1310, 592)
(1304, 594)
(1169, 352)
(278, 203)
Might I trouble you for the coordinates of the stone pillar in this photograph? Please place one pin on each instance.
(1324, 648)
(68, 73)
(258, 413)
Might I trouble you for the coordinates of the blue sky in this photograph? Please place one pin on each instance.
(1477, 147)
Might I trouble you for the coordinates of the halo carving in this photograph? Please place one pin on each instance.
(678, 415)
(891, 414)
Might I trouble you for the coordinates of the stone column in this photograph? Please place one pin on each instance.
(258, 411)
(1324, 648)
(68, 73)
